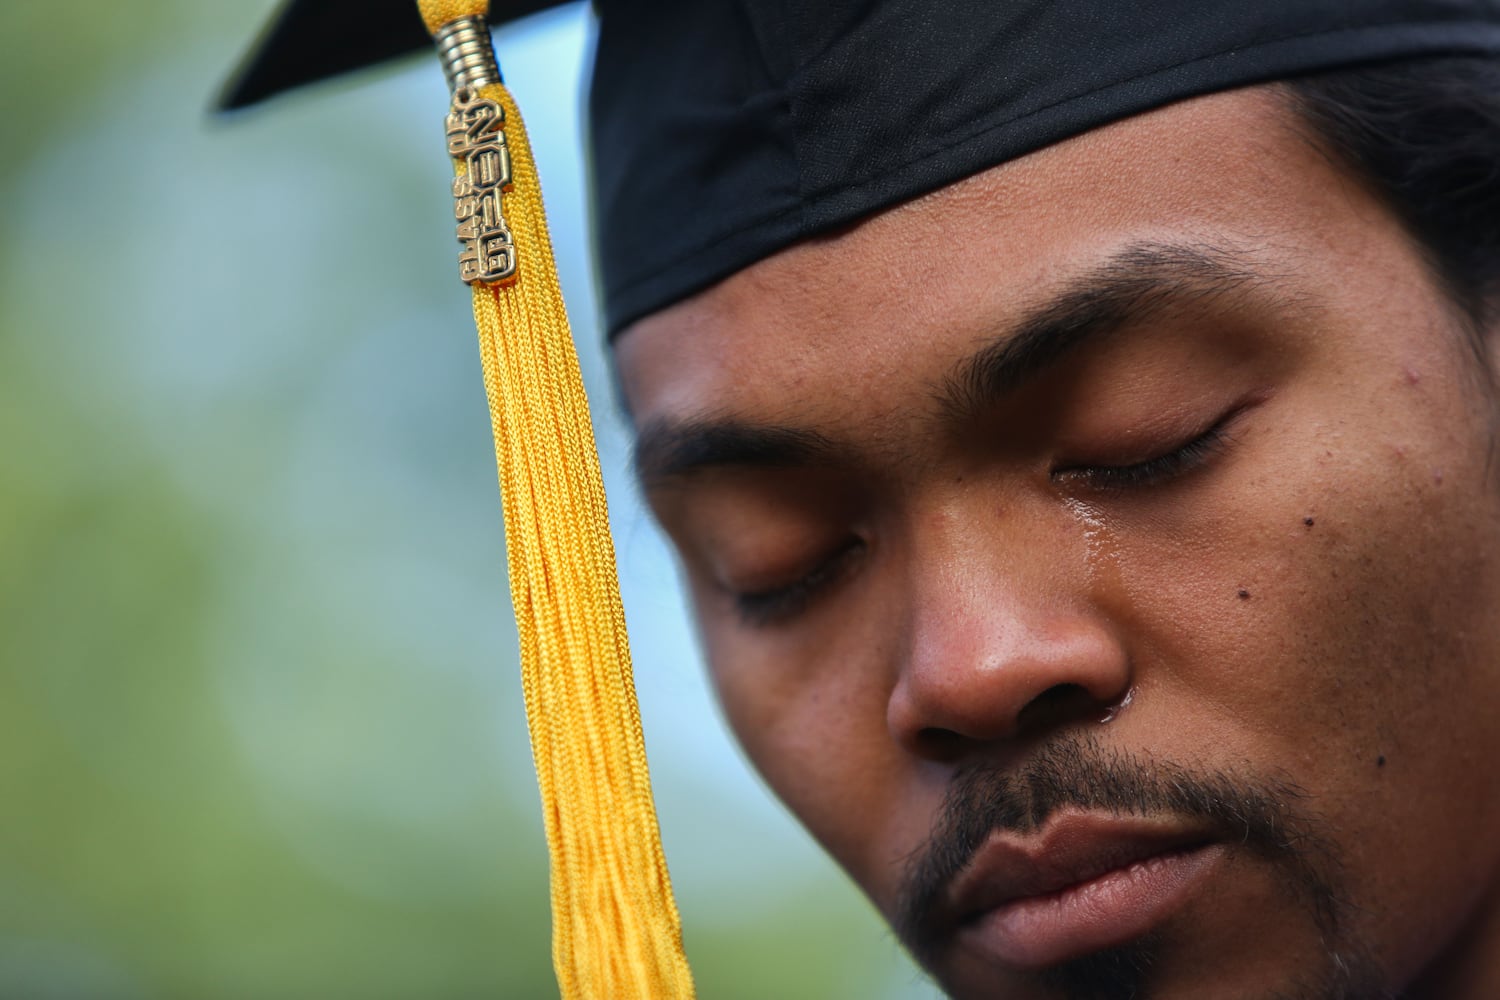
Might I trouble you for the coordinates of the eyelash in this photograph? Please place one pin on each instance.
(1178, 462)
(767, 607)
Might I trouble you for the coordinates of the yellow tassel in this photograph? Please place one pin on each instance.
(616, 930)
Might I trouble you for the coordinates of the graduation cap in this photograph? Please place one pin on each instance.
(723, 131)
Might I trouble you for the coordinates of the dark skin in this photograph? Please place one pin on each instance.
(1159, 453)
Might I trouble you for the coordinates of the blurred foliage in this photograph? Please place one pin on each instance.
(259, 733)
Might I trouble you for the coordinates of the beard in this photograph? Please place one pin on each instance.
(1268, 819)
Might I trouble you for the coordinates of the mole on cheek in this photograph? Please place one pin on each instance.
(1244, 595)
(1307, 521)
(1380, 761)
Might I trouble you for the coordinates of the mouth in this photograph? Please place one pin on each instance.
(1085, 883)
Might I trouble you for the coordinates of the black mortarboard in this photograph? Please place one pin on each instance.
(724, 130)
(311, 40)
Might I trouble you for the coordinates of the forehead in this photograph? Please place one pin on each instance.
(900, 289)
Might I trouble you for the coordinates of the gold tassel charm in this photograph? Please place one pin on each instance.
(476, 141)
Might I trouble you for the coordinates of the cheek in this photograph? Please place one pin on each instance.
(1334, 575)
(1352, 655)
(811, 717)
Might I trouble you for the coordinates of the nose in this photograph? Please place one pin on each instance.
(993, 656)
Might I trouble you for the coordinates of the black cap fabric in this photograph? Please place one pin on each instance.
(725, 130)
(311, 40)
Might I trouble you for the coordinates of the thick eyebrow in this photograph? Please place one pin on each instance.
(668, 450)
(1128, 288)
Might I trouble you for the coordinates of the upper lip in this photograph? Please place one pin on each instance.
(1072, 849)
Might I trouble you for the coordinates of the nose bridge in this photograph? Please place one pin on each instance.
(1002, 617)
(985, 579)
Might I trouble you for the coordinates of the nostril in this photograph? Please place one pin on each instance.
(942, 744)
(970, 685)
(1057, 706)
(1112, 711)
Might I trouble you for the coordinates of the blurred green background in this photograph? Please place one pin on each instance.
(260, 732)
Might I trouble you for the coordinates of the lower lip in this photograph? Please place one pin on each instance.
(1113, 909)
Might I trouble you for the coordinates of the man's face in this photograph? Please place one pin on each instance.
(1099, 557)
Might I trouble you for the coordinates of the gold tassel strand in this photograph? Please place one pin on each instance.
(616, 930)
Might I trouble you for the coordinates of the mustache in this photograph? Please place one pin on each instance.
(1264, 816)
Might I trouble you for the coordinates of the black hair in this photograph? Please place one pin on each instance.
(1425, 135)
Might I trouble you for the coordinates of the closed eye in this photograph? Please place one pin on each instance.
(762, 608)
(1181, 460)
